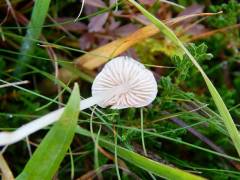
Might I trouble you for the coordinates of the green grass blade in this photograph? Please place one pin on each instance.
(227, 119)
(34, 29)
(149, 165)
(49, 154)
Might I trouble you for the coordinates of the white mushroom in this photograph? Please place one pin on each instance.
(122, 83)
(136, 85)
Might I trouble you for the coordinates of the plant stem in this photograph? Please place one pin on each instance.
(7, 138)
(142, 133)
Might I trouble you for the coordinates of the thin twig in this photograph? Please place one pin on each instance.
(80, 12)
(14, 83)
(13, 14)
(211, 33)
(29, 147)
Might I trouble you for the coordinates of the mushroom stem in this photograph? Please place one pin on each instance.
(7, 138)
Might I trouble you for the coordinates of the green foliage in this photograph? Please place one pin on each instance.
(199, 52)
(231, 12)
(184, 65)
(167, 87)
(229, 40)
(2, 64)
(217, 43)
(154, 51)
(229, 96)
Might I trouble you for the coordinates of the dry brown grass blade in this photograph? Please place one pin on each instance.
(6, 172)
(102, 54)
(211, 33)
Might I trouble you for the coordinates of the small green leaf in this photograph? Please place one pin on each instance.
(49, 154)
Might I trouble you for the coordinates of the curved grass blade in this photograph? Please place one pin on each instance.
(174, 140)
(227, 119)
(49, 154)
(149, 165)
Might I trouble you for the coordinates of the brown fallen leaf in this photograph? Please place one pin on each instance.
(101, 55)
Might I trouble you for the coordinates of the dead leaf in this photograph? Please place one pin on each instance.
(99, 56)
(193, 9)
(96, 23)
(86, 41)
(126, 29)
(95, 3)
(147, 2)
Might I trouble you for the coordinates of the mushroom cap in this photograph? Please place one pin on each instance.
(128, 83)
